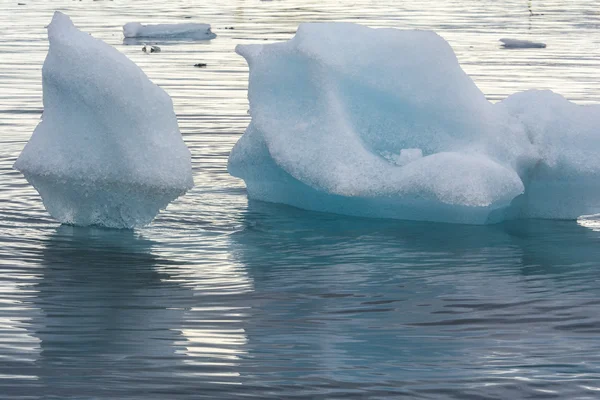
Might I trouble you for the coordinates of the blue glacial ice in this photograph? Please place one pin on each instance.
(385, 123)
(108, 150)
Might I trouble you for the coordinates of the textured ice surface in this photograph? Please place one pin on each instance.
(108, 150)
(521, 44)
(385, 123)
(176, 31)
(564, 182)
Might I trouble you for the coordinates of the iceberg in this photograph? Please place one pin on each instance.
(385, 123)
(521, 44)
(108, 150)
(192, 31)
(564, 182)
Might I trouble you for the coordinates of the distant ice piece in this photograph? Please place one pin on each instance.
(149, 49)
(385, 123)
(521, 44)
(108, 150)
(168, 31)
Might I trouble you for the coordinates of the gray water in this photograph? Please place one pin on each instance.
(221, 298)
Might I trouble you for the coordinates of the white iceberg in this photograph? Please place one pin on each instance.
(108, 150)
(192, 31)
(385, 123)
(521, 44)
(564, 182)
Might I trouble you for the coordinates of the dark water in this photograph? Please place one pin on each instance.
(221, 298)
(304, 305)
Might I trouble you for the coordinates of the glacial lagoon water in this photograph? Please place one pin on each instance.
(222, 298)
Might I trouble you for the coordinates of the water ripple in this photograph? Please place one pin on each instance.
(221, 298)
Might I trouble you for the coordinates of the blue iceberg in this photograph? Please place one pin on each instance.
(384, 123)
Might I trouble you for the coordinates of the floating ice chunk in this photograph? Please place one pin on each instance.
(384, 123)
(590, 221)
(168, 31)
(108, 150)
(327, 104)
(149, 49)
(564, 183)
(521, 44)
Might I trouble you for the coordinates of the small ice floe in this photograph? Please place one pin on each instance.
(590, 221)
(190, 31)
(150, 49)
(521, 44)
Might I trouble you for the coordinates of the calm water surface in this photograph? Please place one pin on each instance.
(221, 298)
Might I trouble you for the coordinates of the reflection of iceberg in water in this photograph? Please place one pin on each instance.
(335, 292)
(106, 313)
(547, 325)
(353, 304)
(116, 317)
(19, 347)
(212, 331)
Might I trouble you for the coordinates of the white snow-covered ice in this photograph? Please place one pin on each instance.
(385, 123)
(521, 44)
(563, 180)
(108, 150)
(192, 31)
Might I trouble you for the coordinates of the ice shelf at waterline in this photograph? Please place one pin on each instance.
(192, 31)
(385, 123)
(108, 150)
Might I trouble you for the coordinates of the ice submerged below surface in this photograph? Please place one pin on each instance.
(385, 123)
(108, 150)
(191, 31)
